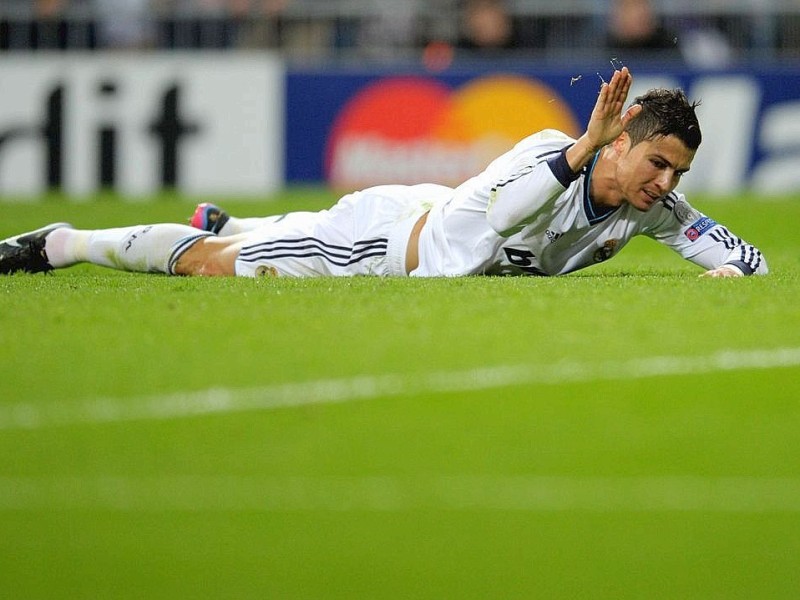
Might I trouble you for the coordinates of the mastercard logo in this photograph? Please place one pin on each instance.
(418, 130)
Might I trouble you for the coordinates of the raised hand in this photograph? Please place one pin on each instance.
(607, 120)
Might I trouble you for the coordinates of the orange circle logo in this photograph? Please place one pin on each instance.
(417, 130)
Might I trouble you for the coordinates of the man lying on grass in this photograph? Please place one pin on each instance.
(549, 206)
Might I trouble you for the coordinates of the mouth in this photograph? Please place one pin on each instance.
(651, 197)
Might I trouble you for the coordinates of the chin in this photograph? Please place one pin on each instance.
(646, 203)
(642, 205)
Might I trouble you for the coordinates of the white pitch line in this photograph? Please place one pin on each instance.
(531, 493)
(366, 387)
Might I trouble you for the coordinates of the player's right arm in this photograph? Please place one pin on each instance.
(518, 197)
(606, 122)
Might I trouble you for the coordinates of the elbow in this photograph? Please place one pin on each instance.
(501, 224)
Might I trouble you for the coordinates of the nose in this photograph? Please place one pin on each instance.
(664, 180)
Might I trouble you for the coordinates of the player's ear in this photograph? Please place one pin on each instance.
(622, 143)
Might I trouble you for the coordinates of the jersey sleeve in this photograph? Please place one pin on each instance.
(527, 186)
(703, 241)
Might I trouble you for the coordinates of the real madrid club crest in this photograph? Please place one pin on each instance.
(266, 271)
(684, 213)
(607, 251)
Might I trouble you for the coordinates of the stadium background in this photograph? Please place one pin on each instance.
(246, 97)
(629, 431)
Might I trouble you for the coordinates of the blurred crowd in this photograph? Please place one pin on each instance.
(389, 28)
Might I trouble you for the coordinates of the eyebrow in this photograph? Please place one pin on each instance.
(669, 163)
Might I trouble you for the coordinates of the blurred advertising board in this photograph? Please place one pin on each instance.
(354, 129)
(246, 124)
(198, 123)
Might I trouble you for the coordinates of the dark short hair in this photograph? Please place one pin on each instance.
(665, 112)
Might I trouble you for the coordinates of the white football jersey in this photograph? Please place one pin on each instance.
(528, 214)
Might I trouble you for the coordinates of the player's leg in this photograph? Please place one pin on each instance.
(209, 217)
(364, 233)
(211, 256)
(25, 252)
(143, 248)
(212, 218)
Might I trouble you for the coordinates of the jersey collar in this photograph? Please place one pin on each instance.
(595, 214)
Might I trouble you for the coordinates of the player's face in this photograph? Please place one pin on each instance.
(651, 169)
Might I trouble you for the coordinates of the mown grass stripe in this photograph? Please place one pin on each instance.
(744, 495)
(366, 387)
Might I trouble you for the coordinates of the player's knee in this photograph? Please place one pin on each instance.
(209, 256)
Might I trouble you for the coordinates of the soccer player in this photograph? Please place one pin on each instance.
(549, 206)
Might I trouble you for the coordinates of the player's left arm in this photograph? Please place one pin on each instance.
(703, 241)
(724, 254)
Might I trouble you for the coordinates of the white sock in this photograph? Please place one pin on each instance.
(236, 225)
(143, 248)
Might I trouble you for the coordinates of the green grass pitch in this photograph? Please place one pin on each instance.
(630, 431)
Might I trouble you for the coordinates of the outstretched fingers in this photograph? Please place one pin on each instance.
(617, 90)
(607, 121)
(613, 94)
